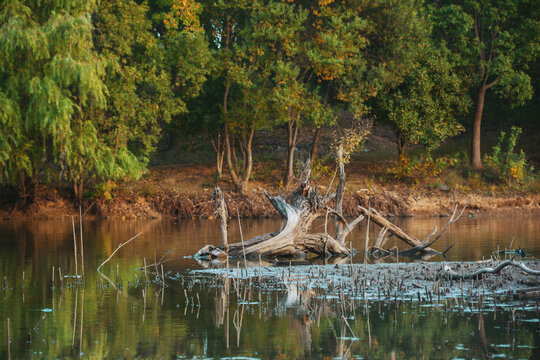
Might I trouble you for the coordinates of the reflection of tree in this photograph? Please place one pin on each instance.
(306, 326)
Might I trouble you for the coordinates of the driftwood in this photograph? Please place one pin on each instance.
(393, 229)
(299, 208)
(221, 212)
(417, 245)
(488, 270)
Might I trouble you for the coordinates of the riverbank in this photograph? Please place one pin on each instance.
(168, 203)
(185, 192)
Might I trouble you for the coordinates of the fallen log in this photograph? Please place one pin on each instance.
(393, 229)
(417, 245)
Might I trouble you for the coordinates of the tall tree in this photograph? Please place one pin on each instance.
(317, 44)
(50, 80)
(494, 42)
(422, 109)
(225, 24)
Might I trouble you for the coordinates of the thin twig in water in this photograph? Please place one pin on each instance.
(367, 238)
(82, 246)
(75, 247)
(118, 248)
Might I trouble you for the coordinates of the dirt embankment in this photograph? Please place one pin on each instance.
(176, 203)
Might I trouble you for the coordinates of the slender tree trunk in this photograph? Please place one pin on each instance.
(238, 183)
(248, 164)
(401, 146)
(292, 132)
(217, 143)
(78, 191)
(315, 144)
(476, 154)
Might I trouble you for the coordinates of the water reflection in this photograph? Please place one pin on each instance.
(190, 318)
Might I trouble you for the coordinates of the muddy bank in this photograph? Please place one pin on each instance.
(390, 281)
(134, 203)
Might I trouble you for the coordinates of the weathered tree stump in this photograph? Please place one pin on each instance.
(294, 240)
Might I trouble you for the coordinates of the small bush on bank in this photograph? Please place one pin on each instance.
(506, 164)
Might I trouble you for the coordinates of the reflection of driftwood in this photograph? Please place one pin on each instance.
(222, 301)
(455, 276)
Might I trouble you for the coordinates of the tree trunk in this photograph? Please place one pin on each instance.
(248, 163)
(78, 191)
(476, 155)
(292, 132)
(315, 144)
(217, 143)
(400, 146)
(221, 212)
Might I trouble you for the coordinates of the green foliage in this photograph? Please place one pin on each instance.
(420, 169)
(423, 99)
(88, 87)
(494, 44)
(509, 165)
(319, 168)
(50, 77)
(424, 106)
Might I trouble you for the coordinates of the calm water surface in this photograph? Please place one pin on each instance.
(95, 321)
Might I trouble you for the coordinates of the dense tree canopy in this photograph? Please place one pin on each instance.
(88, 88)
(494, 43)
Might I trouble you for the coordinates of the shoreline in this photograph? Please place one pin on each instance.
(199, 204)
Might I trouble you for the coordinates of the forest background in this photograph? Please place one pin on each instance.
(139, 108)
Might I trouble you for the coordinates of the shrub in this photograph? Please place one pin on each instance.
(505, 163)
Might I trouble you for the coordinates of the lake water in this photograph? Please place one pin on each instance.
(185, 319)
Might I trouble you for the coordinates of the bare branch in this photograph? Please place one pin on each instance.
(455, 276)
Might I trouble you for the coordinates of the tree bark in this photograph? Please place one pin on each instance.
(315, 144)
(221, 212)
(396, 231)
(476, 155)
(219, 148)
(400, 146)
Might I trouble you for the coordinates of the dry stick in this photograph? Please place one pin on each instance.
(511, 242)
(118, 248)
(349, 326)
(241, 238)
(145, 276)
(455, 276)
(82, 247)
(75, 248)
(367, 238)
(8, 341)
